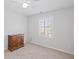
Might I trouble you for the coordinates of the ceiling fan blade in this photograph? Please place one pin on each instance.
(16, 1)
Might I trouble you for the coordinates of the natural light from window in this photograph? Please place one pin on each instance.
(45, 26)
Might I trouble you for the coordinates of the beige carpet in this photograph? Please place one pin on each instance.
(32, 51)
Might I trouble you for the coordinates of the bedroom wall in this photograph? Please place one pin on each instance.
(14, 23)
(64, 30)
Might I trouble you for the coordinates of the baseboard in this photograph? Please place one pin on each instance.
(64, 51)
(53, 48)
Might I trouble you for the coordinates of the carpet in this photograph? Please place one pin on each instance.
(33, 51)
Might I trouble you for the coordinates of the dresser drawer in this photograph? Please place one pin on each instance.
(15, 42)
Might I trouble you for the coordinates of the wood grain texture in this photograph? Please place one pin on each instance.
(15, 41)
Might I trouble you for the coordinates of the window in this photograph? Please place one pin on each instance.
(45, 26)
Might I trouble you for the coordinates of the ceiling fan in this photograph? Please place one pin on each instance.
(25, 3)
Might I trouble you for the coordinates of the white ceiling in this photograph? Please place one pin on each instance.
(37, 6)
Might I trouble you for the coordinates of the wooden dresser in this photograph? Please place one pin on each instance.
(15, 41)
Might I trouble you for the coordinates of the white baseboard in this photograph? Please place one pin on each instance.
(68, 52)
(53, 48)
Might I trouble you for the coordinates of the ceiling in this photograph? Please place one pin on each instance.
(37, 5)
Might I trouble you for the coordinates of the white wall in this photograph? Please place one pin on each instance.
(64, 30)
(14, 24)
